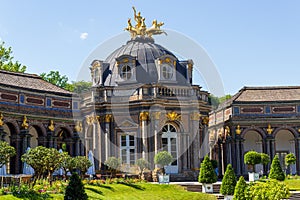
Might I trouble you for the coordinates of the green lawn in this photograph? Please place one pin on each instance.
(142, 191)
(293, 184)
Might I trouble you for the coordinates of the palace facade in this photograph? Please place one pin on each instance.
(264, 119)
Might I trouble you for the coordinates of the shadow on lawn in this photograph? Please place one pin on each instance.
(133, 186)
(94, 190)
(106, 187)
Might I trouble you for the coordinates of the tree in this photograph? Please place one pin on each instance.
(290, 159)
(82, 164)
(207, 173)
(56, 78)
(6, 60)
(228, 181)
(42, 160)
(79, 86)
(240, 190)
(163, 159)
(142, 164)
(276, 171)
(6, 151)
(253, 158)
(113, 164)
(68, 163)
(75, 189)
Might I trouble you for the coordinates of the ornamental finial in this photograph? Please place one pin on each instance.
(140, 27)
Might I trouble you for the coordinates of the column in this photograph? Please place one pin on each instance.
(156, 117)
(194, 135)
(297, 147)
(50, 135)
(144, 116)
(2, 133)
(107, 120)
(239, 161)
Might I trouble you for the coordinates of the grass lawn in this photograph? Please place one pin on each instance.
(293, 184)
(143, 191)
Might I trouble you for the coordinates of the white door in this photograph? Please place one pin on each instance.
(169, 143)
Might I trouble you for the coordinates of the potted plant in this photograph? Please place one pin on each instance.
(253, 158)
(290, 159)
(228, 183)
(163, 159)
(207, 175)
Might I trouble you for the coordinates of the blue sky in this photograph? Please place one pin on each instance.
(252, 43)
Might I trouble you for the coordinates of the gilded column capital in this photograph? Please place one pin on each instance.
(24, 123)
(108, 118)
(205, 120)
(78, 126)
(1, 120)
(238, 130)
(195, 116)
(51, 126)
(144, 116)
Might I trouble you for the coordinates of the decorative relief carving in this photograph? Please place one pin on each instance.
(144, 116)
(173, 116)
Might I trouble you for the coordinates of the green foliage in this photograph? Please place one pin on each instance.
(79, 86)
(240, 191)
(82, 164)
(75, 189)
(163, 158)
(276, 171)
(42, 160)
(55, 78)
(6, 151)
(113, 163)
(289, 160)
(216, 101)
(207, 173)
(68, 163)
(228, 181)
(270, 190)
(25, 192)
(6, 60)
(253, 158)
(214, 163)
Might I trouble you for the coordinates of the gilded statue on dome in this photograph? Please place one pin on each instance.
(140, 27)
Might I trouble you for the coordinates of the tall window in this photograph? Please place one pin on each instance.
(169, 141)
(125, 72)
(127, 149)
(167, 71)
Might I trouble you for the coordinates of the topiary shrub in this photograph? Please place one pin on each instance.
(289, 160)
(228, 181)
(207, 173)
(252, 158)
(75, 189)
(163, 158)
(240, 190)
(276, 171)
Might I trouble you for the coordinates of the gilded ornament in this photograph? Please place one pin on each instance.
(51, 126)
(1, 119)
(144, 116)
(238, 130)
(227, 130)
(269, 129)
(205, 120)
(78, 126)
(195, 116)
(107, 118)
(173, 116)
(140, 27)
(24, 123)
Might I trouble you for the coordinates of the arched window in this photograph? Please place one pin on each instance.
(169, 144)
(167, 71)
(125, 72)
